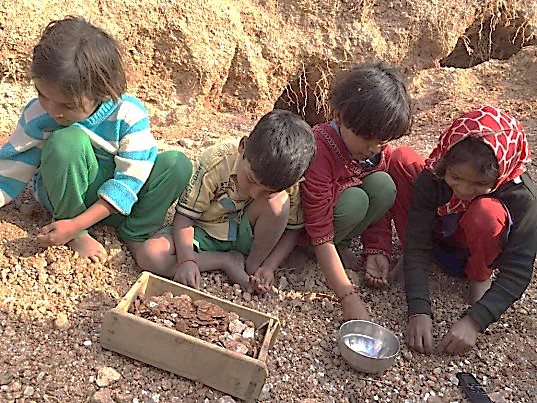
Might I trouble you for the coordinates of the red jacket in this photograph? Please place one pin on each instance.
(332, 171)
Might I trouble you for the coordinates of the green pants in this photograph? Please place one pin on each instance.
(361, 206)
(71, 175)
(243, 243)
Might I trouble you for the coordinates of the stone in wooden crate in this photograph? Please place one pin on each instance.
(200, 318)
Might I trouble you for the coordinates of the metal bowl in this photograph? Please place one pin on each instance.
(366, 346)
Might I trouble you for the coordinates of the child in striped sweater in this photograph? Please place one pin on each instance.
(87, 146)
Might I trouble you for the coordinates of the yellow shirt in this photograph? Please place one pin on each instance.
(212, 197)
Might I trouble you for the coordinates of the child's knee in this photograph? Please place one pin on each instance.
(153, 256)
(352, 206)
(382, 191)
(176, 163)
(63, 145)
(485, 217)
(405, 156)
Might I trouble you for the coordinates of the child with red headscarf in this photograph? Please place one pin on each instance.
(474, 209)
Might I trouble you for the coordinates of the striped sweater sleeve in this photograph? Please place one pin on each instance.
(21, 155)
(135, 157)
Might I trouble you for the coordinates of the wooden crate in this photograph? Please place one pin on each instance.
(228, 371)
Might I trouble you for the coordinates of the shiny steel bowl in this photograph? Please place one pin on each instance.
(366, 346)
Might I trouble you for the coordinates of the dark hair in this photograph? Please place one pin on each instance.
(474, 151)
(280, 149)
(81, 59)
(373, 102)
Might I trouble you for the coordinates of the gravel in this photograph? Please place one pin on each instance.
(52, 304)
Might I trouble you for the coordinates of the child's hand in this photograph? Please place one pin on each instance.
(419, 335)
(376, 270)
(263, 279)
(461, 337)
(188, 274)
(57, 233)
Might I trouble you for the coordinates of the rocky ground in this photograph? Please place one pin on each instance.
(52, 302)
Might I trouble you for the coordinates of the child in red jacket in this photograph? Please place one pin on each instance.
(347, 191)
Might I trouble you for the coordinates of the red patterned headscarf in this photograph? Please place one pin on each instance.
(502, 133)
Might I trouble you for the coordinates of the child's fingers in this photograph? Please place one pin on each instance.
(45, 239)
(43, 230)
(446, 345)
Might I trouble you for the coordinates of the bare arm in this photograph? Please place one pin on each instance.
(264, 275)
(280, 252)
(62, 231)
(332, 268)
(337, 280)
(188, 272)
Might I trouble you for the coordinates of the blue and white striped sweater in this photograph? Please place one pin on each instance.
(118, 132)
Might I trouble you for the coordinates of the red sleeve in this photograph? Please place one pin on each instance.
(317, 195)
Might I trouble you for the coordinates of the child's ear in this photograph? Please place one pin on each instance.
(242, 144)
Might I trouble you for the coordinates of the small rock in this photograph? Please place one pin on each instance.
(107, 376)
(186, 142)
(225, 399)
(499, 397)
(248, 333)
(26, 209)
(5, 377)
(62, 322)
(407, 355)
(102, 396)
(236, 326)
(28, 391)
(265, 392)
(166, 384)
(309, 284)
(15, 386)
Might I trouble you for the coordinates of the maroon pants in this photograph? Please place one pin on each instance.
(480, 229)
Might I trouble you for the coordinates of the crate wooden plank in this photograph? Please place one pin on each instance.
(230, 372)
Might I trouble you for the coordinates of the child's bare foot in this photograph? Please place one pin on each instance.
(233, 264)
(354, 308)
(376, 270)
(88, 247)
(478, 289)
(349, 259)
